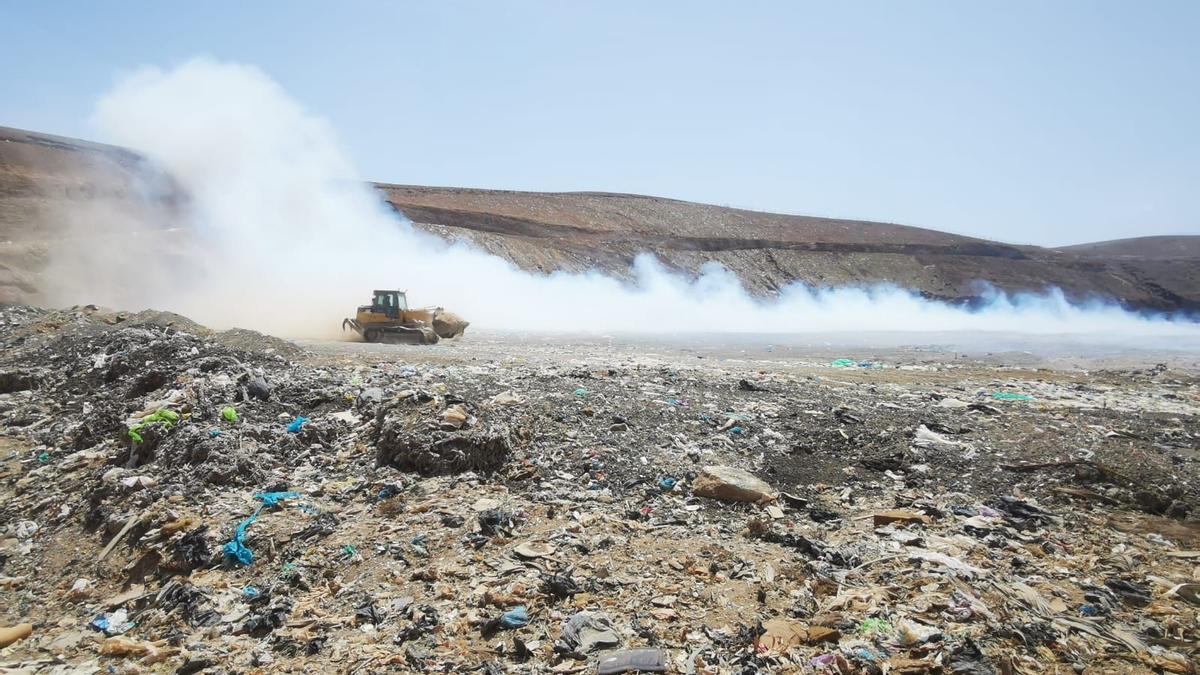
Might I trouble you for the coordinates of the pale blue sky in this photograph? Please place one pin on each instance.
(1031, 122)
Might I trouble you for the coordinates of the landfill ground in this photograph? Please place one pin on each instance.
(507, 503)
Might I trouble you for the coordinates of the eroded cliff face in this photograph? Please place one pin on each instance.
(69, 201)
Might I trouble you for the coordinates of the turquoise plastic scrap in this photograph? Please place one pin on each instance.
(237, 551)
(1010, 396)
(844, 363)
(296, 425)
(515, 618)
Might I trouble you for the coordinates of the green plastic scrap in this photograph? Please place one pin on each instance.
(1009, 396)
(844, 363)
(229, 414)
(581, 392)
(874, 626)
(167, 418)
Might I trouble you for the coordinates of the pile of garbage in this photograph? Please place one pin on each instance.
(178, 499)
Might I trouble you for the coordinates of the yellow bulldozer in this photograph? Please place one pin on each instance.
(389, 319)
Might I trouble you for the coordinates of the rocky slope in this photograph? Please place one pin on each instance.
(52, 187)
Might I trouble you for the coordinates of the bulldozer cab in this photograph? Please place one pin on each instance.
(389, 303)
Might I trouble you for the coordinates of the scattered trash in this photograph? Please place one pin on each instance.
(507, 398)
(586, 633)
(747, 385)
(871, 626)
(1189, 592)
(899, 516)
(112, 624)
(236, 550)
(530, 550)
(633, 661)
(873, 521)
(348, 416)
(149, 652)
(514, 618)
(780, 635)
(164, 418)
(258, 389)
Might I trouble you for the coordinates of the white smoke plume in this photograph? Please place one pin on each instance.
(285, 238)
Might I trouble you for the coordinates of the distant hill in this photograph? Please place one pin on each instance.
(47, 181)
(1168, 247)
(578, 231)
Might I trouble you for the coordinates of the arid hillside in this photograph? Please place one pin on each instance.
(1163, 248)
(53, 187)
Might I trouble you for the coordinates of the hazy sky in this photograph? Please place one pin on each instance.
(1030, 122)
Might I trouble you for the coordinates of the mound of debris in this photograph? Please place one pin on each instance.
(174, 499)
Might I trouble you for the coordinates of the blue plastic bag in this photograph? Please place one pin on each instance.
(516, 617)
(235, 550)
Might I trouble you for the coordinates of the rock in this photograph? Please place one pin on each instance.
(11, 634)
(732, 485)
(455, 417)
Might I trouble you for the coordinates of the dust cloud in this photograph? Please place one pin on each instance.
(285, 238)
